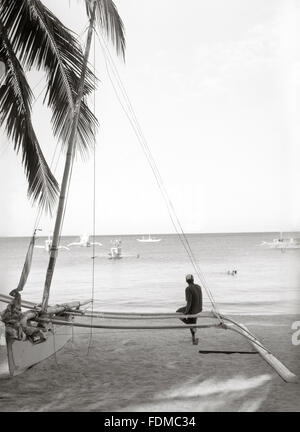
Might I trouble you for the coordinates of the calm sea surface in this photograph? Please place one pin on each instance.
(267, 280)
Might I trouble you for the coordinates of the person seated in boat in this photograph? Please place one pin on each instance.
(193, 296)
(12, 313)
(12, 318)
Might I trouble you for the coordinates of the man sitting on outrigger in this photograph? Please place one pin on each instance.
(193, 296)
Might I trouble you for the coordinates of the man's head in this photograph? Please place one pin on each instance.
(189, 278)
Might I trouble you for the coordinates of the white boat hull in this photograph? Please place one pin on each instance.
(24, 354)
(282, 244)
(149, 241)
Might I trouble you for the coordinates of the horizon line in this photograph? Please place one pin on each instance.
(161, 234)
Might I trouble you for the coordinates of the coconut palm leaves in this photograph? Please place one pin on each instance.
(55, 49)
(108, 19)
(15, 108)
(40, 40)
(32, 37)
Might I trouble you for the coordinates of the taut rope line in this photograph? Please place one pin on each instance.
(94, 204)
(129, 112)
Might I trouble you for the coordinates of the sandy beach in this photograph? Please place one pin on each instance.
(161, 371)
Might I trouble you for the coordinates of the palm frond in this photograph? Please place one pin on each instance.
(15, 114)
(109, 20)
(41, 40)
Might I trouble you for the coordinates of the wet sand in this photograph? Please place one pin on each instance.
(148, 370)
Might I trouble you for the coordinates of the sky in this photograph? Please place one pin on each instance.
(214, 86)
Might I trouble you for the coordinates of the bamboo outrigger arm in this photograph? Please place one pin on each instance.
(125, 327)
(226, 324)
(139, 316)
(51, 309)
(267, 355)
(26, 304)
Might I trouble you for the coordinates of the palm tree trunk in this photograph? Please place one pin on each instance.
(67, 169)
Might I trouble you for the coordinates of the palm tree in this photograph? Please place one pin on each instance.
(32, 37)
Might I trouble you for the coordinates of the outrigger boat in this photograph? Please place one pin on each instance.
(43, 341)
(115, 250)
(61, 319)
(41, 331)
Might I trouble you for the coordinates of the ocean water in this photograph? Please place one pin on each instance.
(267, 280)
(112, 370)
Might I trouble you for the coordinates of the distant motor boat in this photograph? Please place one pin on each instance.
(149, 239)
(282, 243)
(115, 250)
(84, 242)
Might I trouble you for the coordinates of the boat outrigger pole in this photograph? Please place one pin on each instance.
(68, 166)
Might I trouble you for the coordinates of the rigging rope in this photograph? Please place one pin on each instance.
(94, 203)
(54, 346)
(72, 161)
(130, 114)
(39, 211)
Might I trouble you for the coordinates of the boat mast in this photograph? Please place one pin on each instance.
(67, 168)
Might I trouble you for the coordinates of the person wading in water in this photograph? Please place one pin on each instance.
(193, 296)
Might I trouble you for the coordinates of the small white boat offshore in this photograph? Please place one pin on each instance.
(115, 250)
(47, 245)
(84, 241)
(149, 239)
(282, 243)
